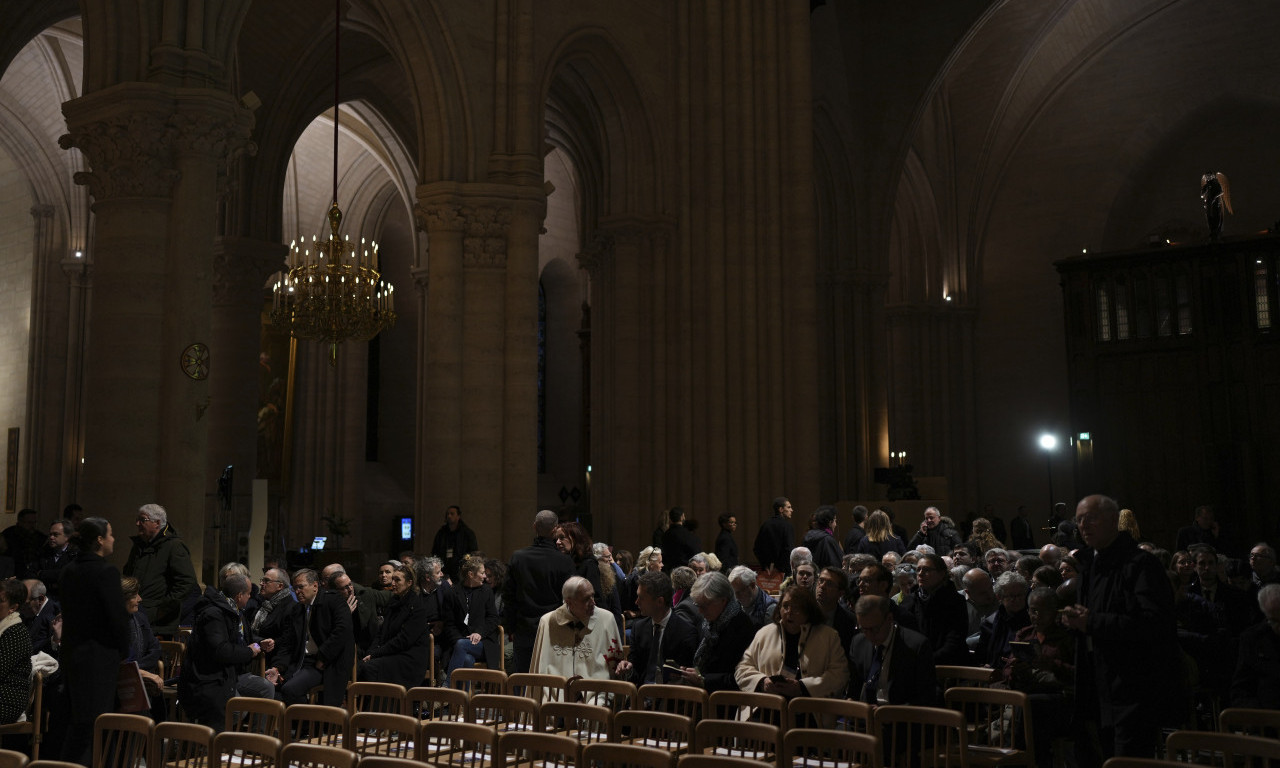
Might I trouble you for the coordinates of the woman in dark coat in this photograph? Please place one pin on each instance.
(880, 537)
(95, 634)
(475, 619)
(573, 540)
(144, 648)
(15, 653)
(399, 653)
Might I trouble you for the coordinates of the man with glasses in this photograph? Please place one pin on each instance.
(1256, 682)
(277, 601)
(939, 611)
(889, 664)
(58, 554)
(1262, 560)
(317, 647)
(161, 563)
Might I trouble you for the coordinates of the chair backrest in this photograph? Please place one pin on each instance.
(474, 680)
(12, 759)
(181, 745)
(506, 713)
(922, 736)
(433, 703)
(376, 697)
(1141, 762)
(121, 741)
(625, 756)
(172, 653)
(950, 676)
(588, 723)
(52, 764)
(663, 730)
(317, 724)
(617, 695)
(380, 761)
(728, 738)
(234, 750)
(383, 733)
(247, 714)
(1222, 749)
(456, 744)
(819, 712)
(995, 719)
(822, 748)
(734, 705)
(34, 725)
(1250, 722)
(716, 761)
(536, 750)
(540, 688)
(677, 699)
(317, 756)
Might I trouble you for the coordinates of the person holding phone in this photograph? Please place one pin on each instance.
(797, 654)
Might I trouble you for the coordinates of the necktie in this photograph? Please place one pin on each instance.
(873, 677)
(655, 655)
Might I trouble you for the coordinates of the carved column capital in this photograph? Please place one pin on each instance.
(129, 153)
(596, 254)
(484, 241)
(219, 133)
(439, 217)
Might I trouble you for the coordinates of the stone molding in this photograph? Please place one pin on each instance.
(484, 240)
(439, 217)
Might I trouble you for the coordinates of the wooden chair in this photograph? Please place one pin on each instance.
(1141, 762)
(317, 724)
(246, 714)
(950, 676)
(466, 745)
(237, 750)
(378, 761)
(676, 699)
(474, 680)
(181, 745)
(998, 725)
(35, 725)
(661, 730)
(818, 712)
(384, 734)
(729, 738)
(1221, 749)
(376, 697)
(1250, 722)
(317, 756)
(930, 735)
(536, 750)
(434, 703)
(52, 764)
(172, 654)
(502, 657)
(587, 723)
(617, 695)
(767, 708)
(11, 759)
(121, 741)
(504, 713)
(540, 688)
(822, 748)
(715, 761)
(433, 678)
(625, 756)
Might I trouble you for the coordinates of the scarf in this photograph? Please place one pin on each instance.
(711, 632)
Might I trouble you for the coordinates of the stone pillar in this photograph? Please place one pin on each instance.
(79, 293)
(36, 426)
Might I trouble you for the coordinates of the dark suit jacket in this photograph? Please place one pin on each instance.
(912, 676)
(723, 657)
(48, 568)
(944, 619)
(679, 642)
(534, 579)
(774, 542)
(1257, 677)
(40, 634)
(678, 545)
(335, 643)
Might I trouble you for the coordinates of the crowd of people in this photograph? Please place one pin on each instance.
(1111, 636)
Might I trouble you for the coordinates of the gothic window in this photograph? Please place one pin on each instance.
(1104, 314)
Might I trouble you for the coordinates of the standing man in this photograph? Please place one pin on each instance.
(856, 533)
(161, 563)
(1128, 641)
(317, 648)
(678, 543)
(1203, 530)
(453, 541)
(776, 539)
(937, 534)
(726, 545)
(821, 540)
(23, 540)
(1020, 532)
(58, 553)
(534, 580)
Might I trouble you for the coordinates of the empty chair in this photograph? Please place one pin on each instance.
(1221, 749)
(625, 756)
(926, 736)
(819, 712)
(383, 733)
(505, 713)
(536, 750)
(663, 730)
(181, 745)
(381, 761)
(457, 744)
(376, 697)
(998, 725)
(172, 654)
(431, 703)
(742, 705)
(677, 699)
(251, 715)
(821, 748)
(588, 723)
(715, 761)
(474, 680)
(316, 724)
(1250, 722)
(121, 741)
(236, 750)
(317, 756)
(12, 759)
(728, 738)
(540, 688)
(617, 695)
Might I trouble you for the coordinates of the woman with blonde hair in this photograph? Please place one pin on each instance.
(983, 537)
(1129, 522)
(880, 537)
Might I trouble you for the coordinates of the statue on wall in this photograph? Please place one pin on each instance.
(1215, 192)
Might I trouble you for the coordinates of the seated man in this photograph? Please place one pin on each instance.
(1256, 682)
(217, 649)
(758, 604)
(889, 664)
(660, 635)
(578, 638)
(317, 647)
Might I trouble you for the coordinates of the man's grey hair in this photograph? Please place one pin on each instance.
(234, 567)
(1268, 594)
(799, 555)
(574, 586)
(742, 576)
(278, 574)
(700, 558)
(713, 586)
(1009, 579)
(599, 548)
(36, 589)
(925, 549)
(545, 522)
(156, 513)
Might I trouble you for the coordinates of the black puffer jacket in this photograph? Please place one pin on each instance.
(214, 656)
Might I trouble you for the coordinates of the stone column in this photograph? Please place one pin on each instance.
(78, 270)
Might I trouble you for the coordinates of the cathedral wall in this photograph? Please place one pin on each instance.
(15, 293)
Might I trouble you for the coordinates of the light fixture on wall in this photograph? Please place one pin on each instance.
(333, 291)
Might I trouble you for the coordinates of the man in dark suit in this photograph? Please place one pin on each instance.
(678, 543)
(659, 635)
(1257, 675)
(889, 664)
(57, 554)
(320, 649)
(42, 611)
(534, 579)
(776, 539)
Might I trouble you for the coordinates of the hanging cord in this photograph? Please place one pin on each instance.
(337, 68)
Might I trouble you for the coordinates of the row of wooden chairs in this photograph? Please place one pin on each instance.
(1212, 748)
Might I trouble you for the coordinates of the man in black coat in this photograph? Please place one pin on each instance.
(453, 541)
(939, 611)
(725, 633)
(1257, 676)
(57, 554)
(776, 539)
(676, 639)
(937, 534)
(216, 652)
(678, 543)
(1127, 652)
(823, 545)
(889, 664)
(534, 579)
(318, 648)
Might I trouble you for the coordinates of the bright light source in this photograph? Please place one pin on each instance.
(1048, 442)
(1084, 436)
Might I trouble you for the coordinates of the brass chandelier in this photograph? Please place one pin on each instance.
(333, 291)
